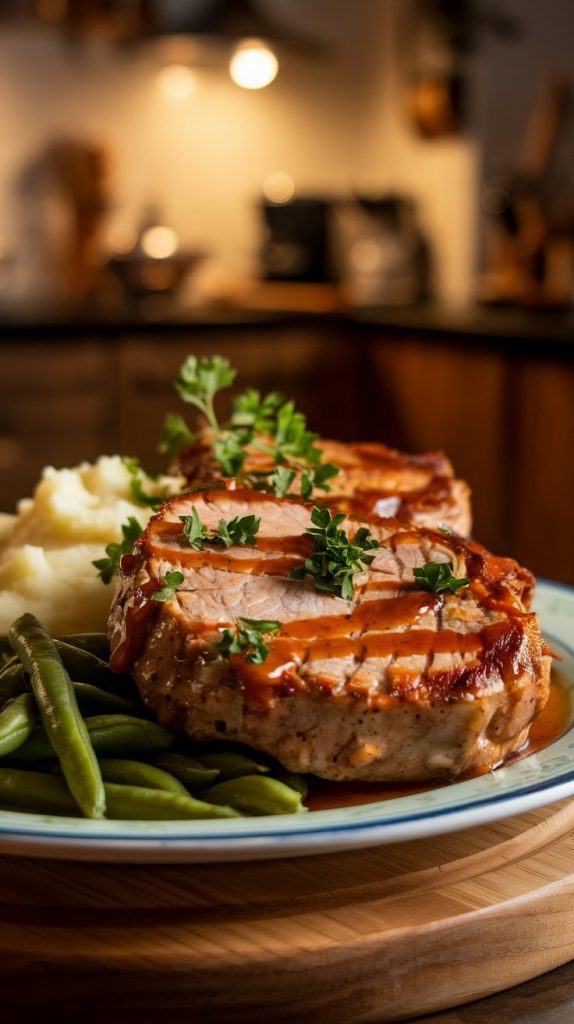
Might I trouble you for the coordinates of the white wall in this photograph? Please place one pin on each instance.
(334, 126)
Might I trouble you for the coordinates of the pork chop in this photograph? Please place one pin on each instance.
(396, 684)
(373, 480)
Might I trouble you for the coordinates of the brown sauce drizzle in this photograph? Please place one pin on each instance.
(188, 558)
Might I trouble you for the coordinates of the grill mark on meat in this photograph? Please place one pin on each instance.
(394, 649)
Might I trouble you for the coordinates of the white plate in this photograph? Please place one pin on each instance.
(528, 783)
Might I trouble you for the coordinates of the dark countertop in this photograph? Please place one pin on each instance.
(479, 322)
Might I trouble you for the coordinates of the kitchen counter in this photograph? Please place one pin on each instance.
(476, 323)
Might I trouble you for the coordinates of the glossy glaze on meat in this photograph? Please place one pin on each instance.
(398, 684)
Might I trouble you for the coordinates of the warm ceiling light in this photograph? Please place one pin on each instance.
(253, 65)
(177, 82)
(159, 242)
(279, 187)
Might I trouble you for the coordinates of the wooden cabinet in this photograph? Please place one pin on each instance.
(57, 408)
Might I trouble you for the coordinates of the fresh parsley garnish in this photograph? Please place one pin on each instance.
(171, 581)
(176, 435)
(241, 531)
(336, 557)
(230, 451)
(139, 495)
(248, 639)
(264, 423)
(194, 530)
(445, 529)
(438, 578)
(200, 380)
(109, 566)
(280, 480)
(257, 413)
(292, 439)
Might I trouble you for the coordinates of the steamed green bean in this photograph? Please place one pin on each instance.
(17, 720)
(187, 769)
(255, 795)
(110, 735)
(137, 773)
(61, 718)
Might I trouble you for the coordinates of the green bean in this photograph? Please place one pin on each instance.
(189, 771)
(94, 643)
(36, 792)
(5, 647)
(254, 794)
(92, 698)
(60, 714)
(111, 736)
(89, 669)
(48, 794)
(16, 722)
(123, 735)
(231, 764)
(296, 782)
(133, 803)
(12, 682)
(136, 773)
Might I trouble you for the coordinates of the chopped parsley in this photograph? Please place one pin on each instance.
(171, 581)
(438, 578)
(139, 495)
(109, 566)
(247, 639)
(336, 557)
(176, 435)
(241, 531)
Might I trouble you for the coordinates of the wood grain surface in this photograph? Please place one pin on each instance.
(378, 935)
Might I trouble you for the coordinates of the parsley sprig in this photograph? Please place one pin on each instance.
(200, 380)
(171, 581)
(336, 557)
(266, 423)
(109, 566)
(139, 495)
(438, 578)
(176, 435)
(248, 639)
(239, 531)
(258, 413)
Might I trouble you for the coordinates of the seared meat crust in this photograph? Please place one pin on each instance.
(397, 685)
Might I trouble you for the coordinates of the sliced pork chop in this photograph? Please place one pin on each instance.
(398, 684)
(373, 480)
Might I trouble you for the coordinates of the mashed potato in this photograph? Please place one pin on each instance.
(47, 549)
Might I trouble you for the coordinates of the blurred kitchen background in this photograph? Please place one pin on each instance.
(368, 204)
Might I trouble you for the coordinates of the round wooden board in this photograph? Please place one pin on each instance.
(378, 935)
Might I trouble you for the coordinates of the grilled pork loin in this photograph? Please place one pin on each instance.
(397, 684)
(372, 480)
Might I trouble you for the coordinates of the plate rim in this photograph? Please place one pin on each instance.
(291, 836)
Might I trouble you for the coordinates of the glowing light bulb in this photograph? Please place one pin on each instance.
(159, 242)
(253, 65)
(177, 81)
(279, 187)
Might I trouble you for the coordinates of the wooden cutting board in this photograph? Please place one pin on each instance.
(377, 935)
